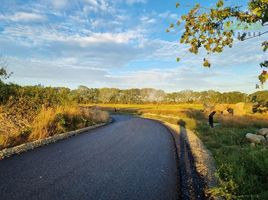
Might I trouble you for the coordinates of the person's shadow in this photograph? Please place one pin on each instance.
(191, 183)
(181, 123)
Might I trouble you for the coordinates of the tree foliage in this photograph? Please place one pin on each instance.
(3, 72)
(203, 27)
(38, 96)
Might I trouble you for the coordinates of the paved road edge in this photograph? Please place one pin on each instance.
(175, 148)
(38, 143)
(204, 162)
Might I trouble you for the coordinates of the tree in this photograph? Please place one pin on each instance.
(85, 95)
(150, 95)
(107, 95)
(3, 72)
(203, 28)
(260, 101)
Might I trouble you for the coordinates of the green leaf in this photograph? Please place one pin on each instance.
(206, 63)
(228, 24)
(263, 78)
(257, 86)
(220, 3)
(177, 4)
(178, 59)
(265, 46)
(264, 64)
(257, 11)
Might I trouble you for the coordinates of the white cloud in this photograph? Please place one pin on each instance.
(98, 50)
(92, 2)
(169, 15)
(71, 72)
(42, 35)
(59, 72)
(59, 4)
(97, 6)
(24, 17)
(130, 2)
(147, 20)
(123, 37)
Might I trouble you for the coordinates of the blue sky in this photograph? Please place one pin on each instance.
(115, 43)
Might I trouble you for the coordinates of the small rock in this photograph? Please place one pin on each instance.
(263, 132)
(252, 144)
(257, 139)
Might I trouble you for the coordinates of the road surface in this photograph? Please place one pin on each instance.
(132, 158)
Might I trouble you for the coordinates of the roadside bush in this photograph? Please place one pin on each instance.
(35, 112)
(99, 116)
(48, 122)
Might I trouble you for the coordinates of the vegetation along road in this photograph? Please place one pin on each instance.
(132, 158)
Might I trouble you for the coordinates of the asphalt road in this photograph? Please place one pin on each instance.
(132, 158)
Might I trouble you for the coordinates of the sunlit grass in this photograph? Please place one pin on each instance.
(48, 122)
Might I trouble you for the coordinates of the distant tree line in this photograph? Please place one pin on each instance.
(85, 95)
(49, 96)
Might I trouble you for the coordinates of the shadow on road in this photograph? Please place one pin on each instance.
(192, 185)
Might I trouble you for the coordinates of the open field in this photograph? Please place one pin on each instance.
(242, 170)
(166, 112)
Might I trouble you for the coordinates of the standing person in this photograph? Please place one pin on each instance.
(210, 119)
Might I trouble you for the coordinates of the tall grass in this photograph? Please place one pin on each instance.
(243, 121)
(48, 122)
(51, 121)
(242, 169)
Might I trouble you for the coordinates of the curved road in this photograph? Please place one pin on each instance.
(132, 158)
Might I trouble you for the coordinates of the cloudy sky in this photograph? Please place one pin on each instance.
(115, 43)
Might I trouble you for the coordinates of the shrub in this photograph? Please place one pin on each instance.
(15, 129)
(99, 116)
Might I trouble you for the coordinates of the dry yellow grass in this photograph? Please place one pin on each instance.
(172, 113)
(151, 106)
(44, 123)
(243, 121)
(52, 121)
(48, 122)
(191, 113)
(8, 130)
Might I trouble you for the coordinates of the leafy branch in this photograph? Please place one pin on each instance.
(203, 27)
(3, 69)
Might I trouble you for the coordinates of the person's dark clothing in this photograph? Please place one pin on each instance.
(211, 120)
